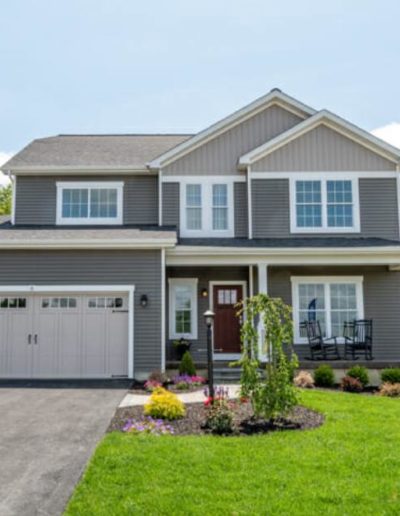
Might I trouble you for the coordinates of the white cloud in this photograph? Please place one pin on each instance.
(4, 156)
(390, 133)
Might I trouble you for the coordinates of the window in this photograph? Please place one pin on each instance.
(12, 302)
(206, 208)
(105, 302)
(325, 205)
(89, 203)
(330, 300)
(59, 302)
(183, 308)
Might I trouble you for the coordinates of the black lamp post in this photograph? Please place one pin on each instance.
(209, 319)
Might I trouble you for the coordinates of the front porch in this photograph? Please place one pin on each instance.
(341, 292)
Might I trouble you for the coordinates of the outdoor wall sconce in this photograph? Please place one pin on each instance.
(204, 292)
(144, 301)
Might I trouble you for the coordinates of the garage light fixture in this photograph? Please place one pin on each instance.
(144, 301)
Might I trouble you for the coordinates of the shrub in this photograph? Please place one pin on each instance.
(165, 405)
(390, 389)
(391, 375)
(152, 385)
(187, 365)
(219, 418)
(158, 376)
(272, 394)
(350, 384)
(324, 376)
(304, 379)
(148, 425)
(360, 373)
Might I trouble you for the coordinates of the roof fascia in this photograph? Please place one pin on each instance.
(90, 170)
(271, 98)
(333, 121)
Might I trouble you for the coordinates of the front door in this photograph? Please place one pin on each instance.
(227, 324)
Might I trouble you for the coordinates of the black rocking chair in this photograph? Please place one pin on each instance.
(320, 348)
(358, 339)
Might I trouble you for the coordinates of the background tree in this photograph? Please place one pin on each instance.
(5, 199)
(271, 392)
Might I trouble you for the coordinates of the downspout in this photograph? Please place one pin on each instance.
(249, 203)
(13, 180)
(160, 203)
(398, 193)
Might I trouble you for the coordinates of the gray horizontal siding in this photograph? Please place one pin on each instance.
(170, 204)
(139, 268)
(378, 208)
(220, 155)
(322, 149)
(381, 302)
(204, 275)
(241, 211)
(36, 198)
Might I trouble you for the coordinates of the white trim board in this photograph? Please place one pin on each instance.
(335, 174)
(323, 117)
(193, 283)
(326, 280)
(211, 285)
(274, 97)
(191, 178)
(83, 289)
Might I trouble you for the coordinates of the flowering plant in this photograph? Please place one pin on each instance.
(220, 411)
(221, 394)
(186, 381)
(151, 385)
(148, 425)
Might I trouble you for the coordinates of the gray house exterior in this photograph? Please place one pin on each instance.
(118, 244)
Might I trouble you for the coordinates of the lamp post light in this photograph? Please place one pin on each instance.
(209, 319)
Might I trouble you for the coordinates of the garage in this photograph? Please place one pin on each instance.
(65, 334)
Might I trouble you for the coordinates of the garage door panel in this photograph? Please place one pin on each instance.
(45, 344)
(94, 338)
(118, 337)
(70, 335)
(3, 343)
(19, 349)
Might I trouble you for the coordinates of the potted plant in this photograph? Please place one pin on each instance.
(181, 346)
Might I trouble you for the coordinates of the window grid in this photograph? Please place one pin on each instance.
(308, 204)
(220, 207)
(193, 207)
(339, 203)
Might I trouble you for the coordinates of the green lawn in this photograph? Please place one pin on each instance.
(349, 466)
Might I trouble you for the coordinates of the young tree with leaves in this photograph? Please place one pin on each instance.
(5, 199)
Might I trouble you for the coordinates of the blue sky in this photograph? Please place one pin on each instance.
(176, 66)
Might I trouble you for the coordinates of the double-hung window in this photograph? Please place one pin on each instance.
(206, 208)
(324, 206)
(330, 300)
(183, 308)
(89, 203)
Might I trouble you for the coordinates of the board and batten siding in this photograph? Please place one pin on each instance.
(220, 155)
(36, 198)
(378, 208)
(381, 302)
(141, 268)
(322, 150)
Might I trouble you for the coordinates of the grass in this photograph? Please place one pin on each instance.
(349, 466)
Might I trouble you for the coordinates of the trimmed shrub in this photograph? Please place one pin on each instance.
(324, 376)
(304, 380)
(219, 416)
(350, 384)
(187, 365)
(391, 390)
(360, 373)
(164, 405)
(390, 375)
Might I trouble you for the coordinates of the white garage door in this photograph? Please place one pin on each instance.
(64, 335)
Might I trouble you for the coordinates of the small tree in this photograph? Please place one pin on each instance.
(271, 394)
(187, 365)
(5, 199)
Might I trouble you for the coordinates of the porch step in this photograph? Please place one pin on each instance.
(226, 375)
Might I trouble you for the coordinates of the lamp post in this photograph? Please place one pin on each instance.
(209, 319)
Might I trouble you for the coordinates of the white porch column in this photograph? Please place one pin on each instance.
(262, 273)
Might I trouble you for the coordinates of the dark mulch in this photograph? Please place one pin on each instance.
(301, 418)
(138, 388)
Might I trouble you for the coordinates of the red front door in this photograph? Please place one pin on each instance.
(226, 324)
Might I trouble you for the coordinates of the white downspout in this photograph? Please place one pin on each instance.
(249, 203)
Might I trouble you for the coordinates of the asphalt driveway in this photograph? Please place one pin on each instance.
(47, 436)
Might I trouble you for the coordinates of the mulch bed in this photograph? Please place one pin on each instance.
(301, 418)
(137, 388)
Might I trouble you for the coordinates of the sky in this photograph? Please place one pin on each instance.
(129, 66)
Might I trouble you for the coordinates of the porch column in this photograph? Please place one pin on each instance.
(262, 273)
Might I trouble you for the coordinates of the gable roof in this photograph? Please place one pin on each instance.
(333, 121)
(275, 96)
(131, 151)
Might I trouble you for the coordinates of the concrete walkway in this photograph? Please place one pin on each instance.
(132, 400)
(46, 438)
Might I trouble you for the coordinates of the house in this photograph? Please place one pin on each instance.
(118, 244)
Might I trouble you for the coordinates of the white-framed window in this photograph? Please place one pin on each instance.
(324, 205)
(206, 207)
(183, 308)
(331, 300)
(89, 202)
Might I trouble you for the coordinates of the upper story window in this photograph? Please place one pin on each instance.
(324, 206)
(207, 208)
(89, 203)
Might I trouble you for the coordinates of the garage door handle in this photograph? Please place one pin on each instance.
(29, 339)
(35, 339)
